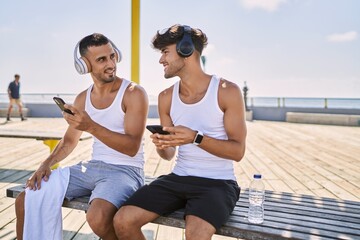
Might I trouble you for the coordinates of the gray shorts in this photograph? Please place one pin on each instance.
(113, 183)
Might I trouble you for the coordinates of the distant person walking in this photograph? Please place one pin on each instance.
(14, 97)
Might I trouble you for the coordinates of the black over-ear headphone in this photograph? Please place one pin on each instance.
(185, 47)
(83, 66)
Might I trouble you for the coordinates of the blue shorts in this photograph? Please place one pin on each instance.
(113, 183)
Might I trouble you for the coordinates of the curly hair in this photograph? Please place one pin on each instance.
(175, 33)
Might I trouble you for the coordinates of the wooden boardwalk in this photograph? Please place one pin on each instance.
(299, 158)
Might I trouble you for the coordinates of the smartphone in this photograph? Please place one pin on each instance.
(61, 103)
(157, 129)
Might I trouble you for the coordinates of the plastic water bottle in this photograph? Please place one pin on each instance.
(256, 200)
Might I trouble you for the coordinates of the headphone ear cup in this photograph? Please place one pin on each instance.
(118, 54)
(185, 47)
(81, 65)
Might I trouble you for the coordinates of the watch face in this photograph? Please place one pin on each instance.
(198, 138)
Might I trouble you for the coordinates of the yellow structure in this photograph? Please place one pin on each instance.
(51, 143)
(135, 47)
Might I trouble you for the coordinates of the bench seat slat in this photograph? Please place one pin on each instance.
(344, 215)
(350, 217)
(318, 222)
(325, 230)
(308, 201)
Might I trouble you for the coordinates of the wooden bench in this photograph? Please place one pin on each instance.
(287, 216)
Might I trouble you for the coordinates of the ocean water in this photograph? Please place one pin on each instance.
(348, 103)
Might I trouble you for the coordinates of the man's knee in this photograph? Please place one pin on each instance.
(197, 228)
(122, 220)
(100, 216)
(129, 218)
(99, 223)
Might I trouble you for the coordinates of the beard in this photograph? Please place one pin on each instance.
(109, 79)
(174, 68)
(106, 77)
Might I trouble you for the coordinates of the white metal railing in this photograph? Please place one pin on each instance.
(40, 97)
(349, 103)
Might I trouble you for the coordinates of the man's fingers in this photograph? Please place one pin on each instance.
(38, 183)
(38, 180)
(29, 184)
(46, 177)
(71, 108)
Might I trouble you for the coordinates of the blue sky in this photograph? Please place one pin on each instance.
(281, 48)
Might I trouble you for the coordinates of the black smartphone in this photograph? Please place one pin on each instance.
(61, 103)
(156, 129)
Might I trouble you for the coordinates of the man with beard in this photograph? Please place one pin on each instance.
(114, 111)
(205, 117)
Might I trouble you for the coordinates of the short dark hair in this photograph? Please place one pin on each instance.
(175, 33)
(95, 39)
(17, 76)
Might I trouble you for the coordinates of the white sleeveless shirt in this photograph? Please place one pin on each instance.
(112, 118)
(207, 117)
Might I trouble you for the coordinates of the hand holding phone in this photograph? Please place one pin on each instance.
(157, 129)
(61, 103)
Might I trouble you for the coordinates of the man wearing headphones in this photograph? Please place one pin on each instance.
(205, 117)
(114, 111)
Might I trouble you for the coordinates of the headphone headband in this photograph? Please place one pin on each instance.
(83, 66)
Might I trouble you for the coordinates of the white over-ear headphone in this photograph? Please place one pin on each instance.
(83, 66)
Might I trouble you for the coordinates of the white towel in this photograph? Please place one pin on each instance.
(43, 217)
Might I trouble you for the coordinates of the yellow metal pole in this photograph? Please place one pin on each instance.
(51, 143)
(135, 31)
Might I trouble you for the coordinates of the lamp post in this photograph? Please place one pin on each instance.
(245, 91)
(203, 60)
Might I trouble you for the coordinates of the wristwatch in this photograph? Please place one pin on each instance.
(198, 138)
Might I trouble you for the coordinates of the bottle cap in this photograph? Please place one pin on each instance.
(257, 176)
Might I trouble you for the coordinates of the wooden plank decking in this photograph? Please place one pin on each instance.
(310, 159)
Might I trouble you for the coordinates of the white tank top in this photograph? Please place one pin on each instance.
(112, 118)
(207, 117)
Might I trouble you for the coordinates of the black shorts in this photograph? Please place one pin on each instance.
(212, 200)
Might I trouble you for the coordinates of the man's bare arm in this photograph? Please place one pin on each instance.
(164, 102)
(231, 100)
(66, 145)
(135, 106)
